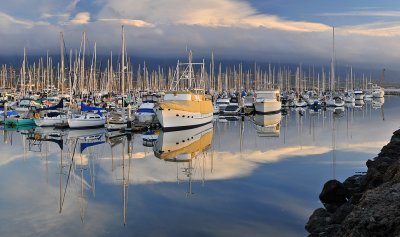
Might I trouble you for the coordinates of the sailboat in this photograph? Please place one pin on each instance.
(335, 100)
(377, 91)
(23, 119)
(187, 108)
(87, 119)
(51, 116)
(359, 95)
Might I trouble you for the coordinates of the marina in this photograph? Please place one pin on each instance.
(101, 182)
(225, 118)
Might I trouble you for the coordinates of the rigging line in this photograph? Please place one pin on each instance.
(69, 172)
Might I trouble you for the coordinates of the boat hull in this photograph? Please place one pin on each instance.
(174, 146)
(173, 120)
(267, 106)
(49, 122)
(86, 123)
(359, 96)
(19, 122)
(378, 94)
(145, 117)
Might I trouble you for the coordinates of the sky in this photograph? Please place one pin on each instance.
(367, 32)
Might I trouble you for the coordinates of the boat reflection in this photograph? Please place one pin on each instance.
(227, 119)
(150, 137)
(184, 145)
(39, 135)
(268, 125)
(85, 133)
(377, 103)
(359, 104)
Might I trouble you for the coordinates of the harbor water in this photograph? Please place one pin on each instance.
(257, 175)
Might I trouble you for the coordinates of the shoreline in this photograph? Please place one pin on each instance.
(364, 204)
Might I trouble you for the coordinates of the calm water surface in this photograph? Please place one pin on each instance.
(257, 177)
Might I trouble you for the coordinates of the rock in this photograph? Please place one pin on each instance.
(332, 207)
(364, 205)
(342, 212)
(354, 184)
(396, 136)
(392, 174)
(334, 192)
(378, 214)
(373, 179)
(318, 221)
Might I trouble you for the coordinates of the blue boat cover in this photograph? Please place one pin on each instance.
(9, 113)
(145, 110)
(60, 105)
(89, 144)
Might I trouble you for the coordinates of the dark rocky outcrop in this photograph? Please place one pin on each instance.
(363, 205)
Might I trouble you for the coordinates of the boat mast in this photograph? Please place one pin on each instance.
(62, 62)
(190, 69)
(23, 74)
(123, 64)
(333, 61)
(83, 65)
(382, 78)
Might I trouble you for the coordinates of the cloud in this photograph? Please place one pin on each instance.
(49, 15)
(364, 13)
(226, 165)
(375, 29)
(129, 22)
(163, 29)
(8, 20)
(382, 28)
(207, 13)
(81, 18)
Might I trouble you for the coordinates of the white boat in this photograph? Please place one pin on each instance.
(26, 105)
(359, 95)
(267, 101)
(349, 98)
(184, 109)
(145, 113)
(51, 118)
(300, 103)
(268, 125)
(377, 92)
(116, 120)
(335, 101)
(248, 101)
(87, 120)
(221, 104)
